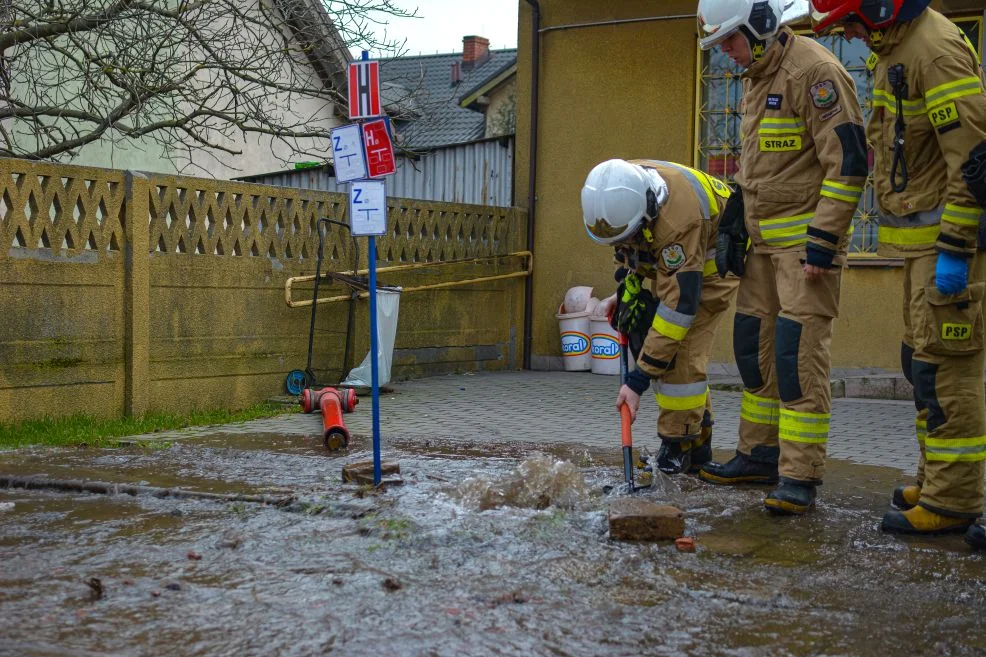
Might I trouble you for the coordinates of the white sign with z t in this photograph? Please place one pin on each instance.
(347, 153)
(368, 207)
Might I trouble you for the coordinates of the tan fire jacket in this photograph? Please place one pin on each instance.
(945, 117)
(678, 254)
(803, 165)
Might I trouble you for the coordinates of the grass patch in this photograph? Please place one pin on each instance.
(85, 430)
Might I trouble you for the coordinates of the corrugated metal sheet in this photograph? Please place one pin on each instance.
(478, 173)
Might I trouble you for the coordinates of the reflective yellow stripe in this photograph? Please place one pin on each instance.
(908, 236)
(886, 100)
(840, 197)
(951, 90)
(955, 449)
(781, 131)
(961, 216)
(798, 427)
(786, 231)
(840, 192)
(955, 458)
(709, 192)
(975, 53)
(838, 185)
(709, 268)
(673, 331)
(978, 441)
(781, 126)
(713, 186)
(672, 403)
(759, 410)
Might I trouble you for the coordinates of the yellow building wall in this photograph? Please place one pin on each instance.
(629, 90)
(125, 294)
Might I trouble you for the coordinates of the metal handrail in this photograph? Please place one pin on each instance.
(528, 270)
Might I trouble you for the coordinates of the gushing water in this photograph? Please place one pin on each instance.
(487, 550)
(537, 483)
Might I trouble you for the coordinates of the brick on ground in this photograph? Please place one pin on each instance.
(634, 519)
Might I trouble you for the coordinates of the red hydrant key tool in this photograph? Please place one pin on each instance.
(333, 403)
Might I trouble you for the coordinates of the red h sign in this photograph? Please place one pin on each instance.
(379, 149)
(364, 90)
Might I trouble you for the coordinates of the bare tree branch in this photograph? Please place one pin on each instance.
(179, 74)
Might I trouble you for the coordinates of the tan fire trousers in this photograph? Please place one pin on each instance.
(782, 335)
(683, 393)
(942, 356)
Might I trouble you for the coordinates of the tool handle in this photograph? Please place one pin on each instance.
(626, 423)
(624, 361)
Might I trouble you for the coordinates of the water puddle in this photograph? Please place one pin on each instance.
(485, 550)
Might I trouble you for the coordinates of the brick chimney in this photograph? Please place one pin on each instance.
(475, 51)
(456, 73)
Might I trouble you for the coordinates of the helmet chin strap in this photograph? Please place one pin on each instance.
(758, 47)
(659, 189)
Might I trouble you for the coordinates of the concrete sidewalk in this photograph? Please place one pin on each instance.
(577, 407)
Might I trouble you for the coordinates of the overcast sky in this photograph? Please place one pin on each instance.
(443, 23)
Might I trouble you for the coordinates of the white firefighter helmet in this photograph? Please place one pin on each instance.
(618, 197)
(759, 20)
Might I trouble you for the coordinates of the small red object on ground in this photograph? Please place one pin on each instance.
(685, 544)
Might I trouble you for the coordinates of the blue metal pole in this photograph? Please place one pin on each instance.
(374, 374)
(374, 367)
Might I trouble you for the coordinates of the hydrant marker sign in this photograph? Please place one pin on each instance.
(347, 153)
(364, 90)
(368, 207)
(379, 148)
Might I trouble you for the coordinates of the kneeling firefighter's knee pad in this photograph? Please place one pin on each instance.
(787, 348)
(746, 349)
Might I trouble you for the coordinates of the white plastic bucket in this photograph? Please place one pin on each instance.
(575, 348)
(604, 347)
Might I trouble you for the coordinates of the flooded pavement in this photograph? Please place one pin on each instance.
(485, 550)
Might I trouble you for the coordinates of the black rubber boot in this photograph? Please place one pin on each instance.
(702, 447)
(906, 496)
(758, 468)
(976, 536)
(791, 497)
(673, 458)
(701, 455)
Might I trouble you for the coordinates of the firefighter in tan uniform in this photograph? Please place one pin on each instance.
(928, 134)
(662, 218)
(801, 176)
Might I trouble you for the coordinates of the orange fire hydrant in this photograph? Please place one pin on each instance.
(333, 403)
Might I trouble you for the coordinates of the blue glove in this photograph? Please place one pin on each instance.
(951, 273)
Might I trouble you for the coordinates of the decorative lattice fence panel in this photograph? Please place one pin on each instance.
(238, 219)
(70, 209)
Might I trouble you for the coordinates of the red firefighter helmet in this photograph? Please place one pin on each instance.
(874, 14)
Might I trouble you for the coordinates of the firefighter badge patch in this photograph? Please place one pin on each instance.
(673, 256)
(823, 94)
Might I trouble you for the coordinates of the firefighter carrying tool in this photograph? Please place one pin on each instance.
(662, 219)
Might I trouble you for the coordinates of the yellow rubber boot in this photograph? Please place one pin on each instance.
(906, 496)
(921, 521)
